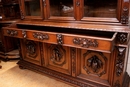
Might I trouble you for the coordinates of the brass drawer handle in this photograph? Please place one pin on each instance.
(12, 32)
(83, 42)
(40, 36)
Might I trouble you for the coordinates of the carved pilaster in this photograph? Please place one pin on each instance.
(125, 12)
(73, 56)
(120, 60)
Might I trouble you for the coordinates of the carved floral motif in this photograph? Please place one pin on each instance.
(12, 32)
(83, 42)
(40, 36)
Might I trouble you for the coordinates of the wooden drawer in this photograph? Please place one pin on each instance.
(91, 42)
(12, 32)
(99, 43)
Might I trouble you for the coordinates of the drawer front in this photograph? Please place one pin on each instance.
(79, 41)
(13, 32)
(85, 42)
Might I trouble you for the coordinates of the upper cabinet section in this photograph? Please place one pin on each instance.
(100, 8)
(61, 8)
(80, 10)
(32, 8)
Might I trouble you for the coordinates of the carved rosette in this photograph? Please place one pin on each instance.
(58, 55)
(122, 38)
(31, 48)
(120, 60)
(84, 42)
(94, 63)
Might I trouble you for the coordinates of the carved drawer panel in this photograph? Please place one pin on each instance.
(12, 32)
(31, 51)
(104, 44)
(95, 66)
(41, 36)
(57, 57)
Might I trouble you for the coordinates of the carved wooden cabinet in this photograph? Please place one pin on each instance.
(82, 42)
(10, 13)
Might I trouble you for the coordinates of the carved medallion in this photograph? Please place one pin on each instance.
(83, 42)
(31, 49)
(94, 63)
(58, 55)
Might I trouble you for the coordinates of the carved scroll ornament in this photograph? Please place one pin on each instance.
(83, 42)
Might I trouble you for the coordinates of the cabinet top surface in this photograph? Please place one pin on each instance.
(78, 25)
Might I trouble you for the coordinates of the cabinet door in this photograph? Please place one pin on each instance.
(59, 8)
(57, 57)
(96, 66)
(106, 10)
(31, 9)
(31, 51)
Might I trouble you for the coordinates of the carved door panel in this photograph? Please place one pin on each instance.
(95, 66)
(57, 57)
(31, 51)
